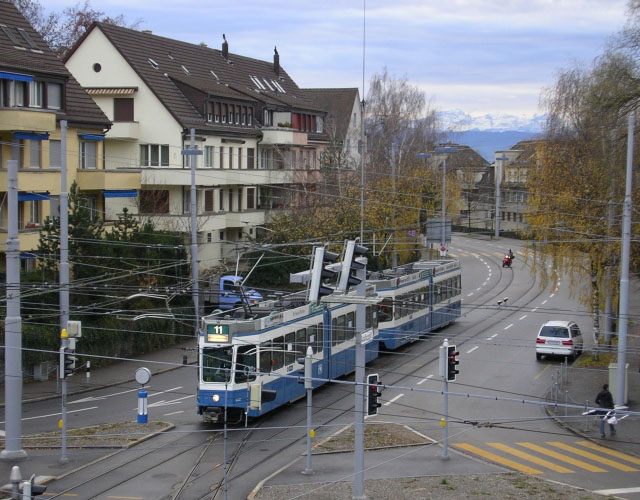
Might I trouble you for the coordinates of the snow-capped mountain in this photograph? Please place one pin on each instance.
(457, 120)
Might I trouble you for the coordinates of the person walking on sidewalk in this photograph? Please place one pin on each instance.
(604, 399)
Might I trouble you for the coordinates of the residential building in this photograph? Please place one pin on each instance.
(37, 92)
(343, 124)
(260, 135)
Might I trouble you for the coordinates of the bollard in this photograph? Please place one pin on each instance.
(566, 403)
(142, 407)
(566, 370)
(14, 478)
(184, 359)
(88, 370)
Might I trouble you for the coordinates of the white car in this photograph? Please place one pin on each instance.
(559, 338)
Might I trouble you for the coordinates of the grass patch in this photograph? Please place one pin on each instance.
(375, 436)
(588, 361)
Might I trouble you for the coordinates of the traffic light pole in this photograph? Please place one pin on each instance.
(445, 407)
(308, 384)
(64, 343)
(358, 488)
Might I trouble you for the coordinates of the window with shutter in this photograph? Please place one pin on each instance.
(208, 200)
(250, 158)
(123, 109)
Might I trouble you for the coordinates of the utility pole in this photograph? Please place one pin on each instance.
(358, 487)
(394, 255)
(308, 385)
(13, 326)
(191, 152)
(624, 271)
(64, 279)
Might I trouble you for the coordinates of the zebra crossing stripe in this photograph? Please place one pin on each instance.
(593, 456)
(531, 458)
(497, 458)
(561, 457)
(608, 451)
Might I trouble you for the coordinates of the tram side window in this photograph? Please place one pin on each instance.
(319, 339)
(459, 291)
(245, 364)
(385, 310)
(350, 330)
(370, 318)
(290, 355)
(301, 343)
(278, 353)
(337, 330)
(265, 357)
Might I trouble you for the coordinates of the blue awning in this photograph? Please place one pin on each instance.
(34, 196)
(120, 193)
(92, 137)
(32, 136)
(14, 76)
(27, 255)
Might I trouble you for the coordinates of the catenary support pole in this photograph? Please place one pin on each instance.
(64, 278)
(194, 234)
(624, 271)
(443, 229)
(394, 255)
(13, 326)
(445, 407)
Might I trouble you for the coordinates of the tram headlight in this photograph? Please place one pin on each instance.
(216, 398)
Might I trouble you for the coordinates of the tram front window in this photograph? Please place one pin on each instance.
(216, 364)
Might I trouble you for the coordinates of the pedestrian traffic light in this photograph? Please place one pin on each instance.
(452, 363)
(349, 264)
(67, 362)
(320, 272)
(373, 393)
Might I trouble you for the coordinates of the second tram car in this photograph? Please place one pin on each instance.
(250, 366)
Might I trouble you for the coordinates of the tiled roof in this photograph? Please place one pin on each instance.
(338, 103)
(38, 59)
(161, 62)
(528, 149)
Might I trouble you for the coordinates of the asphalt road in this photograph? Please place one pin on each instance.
(497, 357)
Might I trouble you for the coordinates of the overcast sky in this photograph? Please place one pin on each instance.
(479, 56)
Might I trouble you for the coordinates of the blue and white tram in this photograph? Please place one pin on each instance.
(417, 298)
(248, 367)
(242, 361)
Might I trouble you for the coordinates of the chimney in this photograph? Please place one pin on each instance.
(276, 61)
(225, 47)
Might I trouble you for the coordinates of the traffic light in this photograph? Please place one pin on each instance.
(320, 273)
(452, 363)
(67, 362)
(349, 264)
(373, 393)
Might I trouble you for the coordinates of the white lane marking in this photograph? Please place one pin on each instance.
(551, 296)
(618, 491)
(167, 403)
(469, 294)
(493, 336)
(543, 302)
(162, 392)
(508, 326)
(173, 413)
(393, 400)
(478, 289)
(472, 349)
(56, 414)
(424, 380)
(534, 309)
(522, 317)
(100, 398)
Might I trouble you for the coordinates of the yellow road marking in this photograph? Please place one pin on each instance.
(498, 459)
(531, 458)
(564, 458)
(608, 451)
(539, 374)
(593, 456)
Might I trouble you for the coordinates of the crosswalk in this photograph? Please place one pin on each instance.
(554, 456)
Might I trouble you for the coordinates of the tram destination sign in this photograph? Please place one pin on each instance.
(218, 334)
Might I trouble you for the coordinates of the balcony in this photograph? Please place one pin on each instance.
(124, 130)
(95, 180)
(24, 119)
(283, 136)
(213, 176)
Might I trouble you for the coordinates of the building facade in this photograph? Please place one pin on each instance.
(259, 134)
(38, 94)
